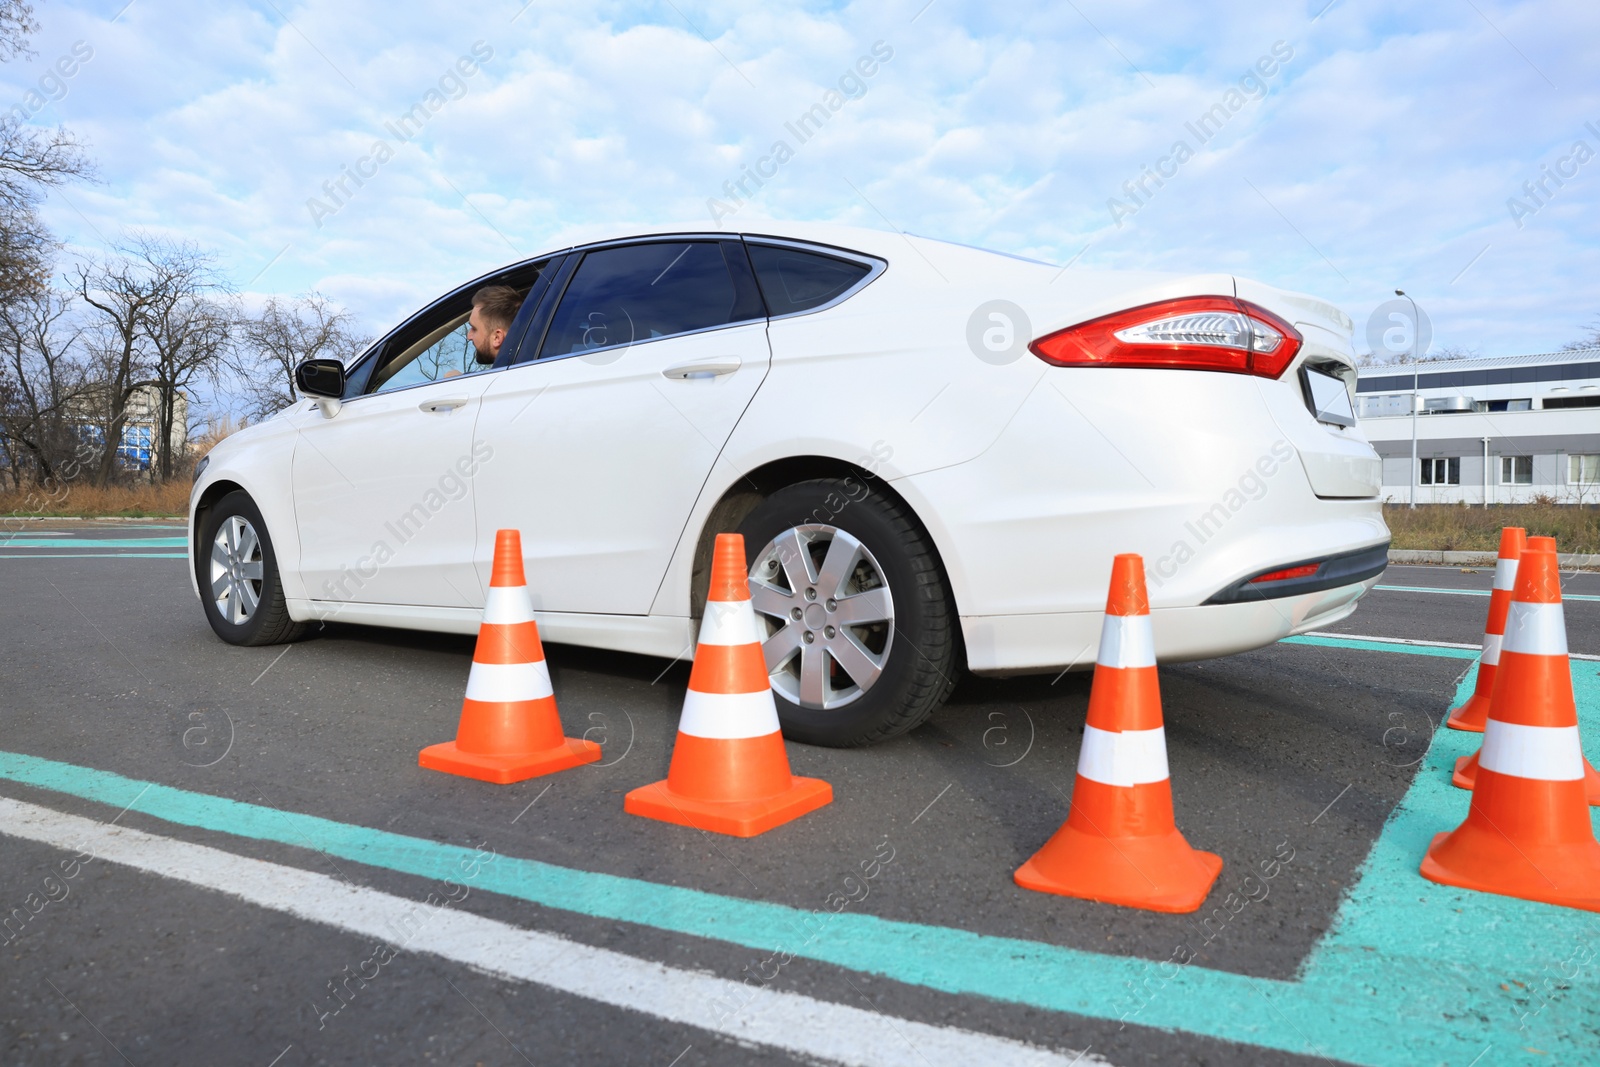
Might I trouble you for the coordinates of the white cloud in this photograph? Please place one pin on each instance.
(1381, 156)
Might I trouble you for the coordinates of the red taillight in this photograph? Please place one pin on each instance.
(1291, 572)
(1194, 333)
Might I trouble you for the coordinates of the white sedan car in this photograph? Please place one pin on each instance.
(933, 453)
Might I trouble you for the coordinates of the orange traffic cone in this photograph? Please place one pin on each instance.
(1475, 712)
(729, 770)
(1119, 843)
(1528, 833)
(510, 729)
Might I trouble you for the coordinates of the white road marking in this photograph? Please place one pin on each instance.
(801, 1025)
(1424, 644)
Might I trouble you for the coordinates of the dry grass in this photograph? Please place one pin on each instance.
(1437, 527)
(1450, 527)
(131, 502)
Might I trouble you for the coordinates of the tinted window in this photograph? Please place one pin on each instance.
(793, 280)
(623, 295)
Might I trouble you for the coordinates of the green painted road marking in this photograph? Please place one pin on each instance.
(95, 555)
(1410, 973)
(94, 542)
(1382, 646)
(1465, 592)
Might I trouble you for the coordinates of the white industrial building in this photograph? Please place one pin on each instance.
(1502, 430)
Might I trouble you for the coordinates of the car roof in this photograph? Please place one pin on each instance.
(874, 242)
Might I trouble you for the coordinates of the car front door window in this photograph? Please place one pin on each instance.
(444, 353)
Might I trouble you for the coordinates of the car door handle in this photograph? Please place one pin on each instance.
(703, 368)
(443, 405)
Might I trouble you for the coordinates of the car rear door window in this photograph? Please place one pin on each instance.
(793, 280)
(635, 293)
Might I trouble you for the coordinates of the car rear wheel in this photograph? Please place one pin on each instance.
(238, 574)
(860, 629)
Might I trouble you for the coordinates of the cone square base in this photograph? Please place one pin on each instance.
(503, 770)
(738, 818)
(1160, 873)
(1470, 716)
(1565, 875)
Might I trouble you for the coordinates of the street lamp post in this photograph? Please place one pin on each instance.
(1416, 328)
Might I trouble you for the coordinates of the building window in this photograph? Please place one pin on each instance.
(1583, 470)
(1441, 471)
(1516, 470)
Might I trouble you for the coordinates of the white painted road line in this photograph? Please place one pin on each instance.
(1467, 592)
(806, 1027)
(1424, 644)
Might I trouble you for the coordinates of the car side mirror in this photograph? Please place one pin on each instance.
(323, 381)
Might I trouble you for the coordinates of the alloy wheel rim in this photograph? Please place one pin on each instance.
(828, 613)
(237, 570)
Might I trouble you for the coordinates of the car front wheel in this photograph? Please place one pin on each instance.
(860, 628)
(238, 576)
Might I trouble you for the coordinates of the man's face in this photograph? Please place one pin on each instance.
(485, 341)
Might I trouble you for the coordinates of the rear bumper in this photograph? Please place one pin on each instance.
(1331, 573)
(1002, 645)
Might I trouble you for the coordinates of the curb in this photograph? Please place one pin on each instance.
(1487, 559)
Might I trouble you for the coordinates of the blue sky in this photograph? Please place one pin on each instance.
(1381, 153)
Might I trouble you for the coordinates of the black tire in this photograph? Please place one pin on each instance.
(268, 622)
(918, 645)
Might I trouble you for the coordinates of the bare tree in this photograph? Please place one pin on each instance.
(189, 326)
(128, 294)
(16, 26)
(1432, 355)
(31, 160)
(279, 338)
(1592, 341)
(40, 383)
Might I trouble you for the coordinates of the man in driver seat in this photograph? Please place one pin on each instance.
(493, 308)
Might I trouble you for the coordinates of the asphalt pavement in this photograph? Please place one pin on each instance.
(1290, 759)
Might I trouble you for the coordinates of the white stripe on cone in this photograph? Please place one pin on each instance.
(1535, 629)
(1127, 641)
(1132, 757)
(502, 682)
(729, 622)
(730, 716)
(1505, 574)
(1491, 649)
(1545, 753)
(508, 605)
